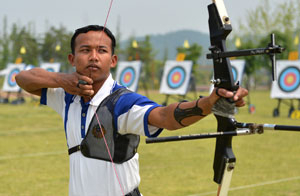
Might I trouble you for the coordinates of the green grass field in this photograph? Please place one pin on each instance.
(34, 160)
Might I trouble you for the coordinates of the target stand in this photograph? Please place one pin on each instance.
(177, 80)
(286, 89)
(294, 113)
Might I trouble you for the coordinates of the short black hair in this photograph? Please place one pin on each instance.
(93, 28)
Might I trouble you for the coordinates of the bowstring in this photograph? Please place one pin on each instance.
(111, 2)
(97, 117)
(109, 153)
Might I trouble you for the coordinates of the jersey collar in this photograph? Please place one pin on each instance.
(104, 91)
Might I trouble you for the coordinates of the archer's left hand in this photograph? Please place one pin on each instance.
(237, 96)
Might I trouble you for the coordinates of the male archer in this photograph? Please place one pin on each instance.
(103, 120)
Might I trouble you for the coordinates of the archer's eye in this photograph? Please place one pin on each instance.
(102, 50)
(85, 50)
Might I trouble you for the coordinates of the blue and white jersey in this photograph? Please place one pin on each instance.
(92, 176)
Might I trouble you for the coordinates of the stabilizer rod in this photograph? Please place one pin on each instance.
(242, 129)
(198, 136)
(268, 126)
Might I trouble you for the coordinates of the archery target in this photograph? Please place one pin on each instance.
(51, 67)
(12, 77)
(288, 80)
(128, 74)
(176, 77)
(29, 67)
(234, 73)
(10, 84)
(237, 69)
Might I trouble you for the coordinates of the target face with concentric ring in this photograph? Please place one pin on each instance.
(234, 74)
(289, 79)
(50, 69)
(12, 77)
(176, 77)
(127, 76)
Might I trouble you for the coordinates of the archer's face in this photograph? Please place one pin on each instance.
(93, 55)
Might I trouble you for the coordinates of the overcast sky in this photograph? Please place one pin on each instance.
(134, 17)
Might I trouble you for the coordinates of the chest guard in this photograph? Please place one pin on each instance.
(122, 147)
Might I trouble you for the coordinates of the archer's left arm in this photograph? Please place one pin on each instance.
(178, 115)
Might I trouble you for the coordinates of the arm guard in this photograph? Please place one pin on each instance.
(180, 114)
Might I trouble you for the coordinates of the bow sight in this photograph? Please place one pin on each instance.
(270, 50)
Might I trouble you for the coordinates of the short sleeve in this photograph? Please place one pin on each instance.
(54, 98)
(131, 115)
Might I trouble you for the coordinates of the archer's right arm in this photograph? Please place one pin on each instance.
(34, 80)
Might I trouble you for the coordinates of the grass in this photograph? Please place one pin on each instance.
(34, 160)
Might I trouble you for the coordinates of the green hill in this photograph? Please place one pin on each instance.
(168, 42)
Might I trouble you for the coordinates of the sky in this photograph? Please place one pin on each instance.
(132, 17)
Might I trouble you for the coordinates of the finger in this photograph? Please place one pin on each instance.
(81, 83)
(225, 93)
(240, 103)
(241, 92)
(85, 79)
(85, 87)
(86, 93)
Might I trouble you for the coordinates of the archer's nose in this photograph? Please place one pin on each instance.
(94, 55)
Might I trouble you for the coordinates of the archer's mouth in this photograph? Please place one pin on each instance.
(92, 67)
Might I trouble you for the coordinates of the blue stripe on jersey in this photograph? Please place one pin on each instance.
(127, 101)
(68, 100)
(84, 109)
(115, 87)
(147, 133)
(43, 99)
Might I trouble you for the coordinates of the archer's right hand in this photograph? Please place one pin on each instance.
(77, 84)
(34, 80)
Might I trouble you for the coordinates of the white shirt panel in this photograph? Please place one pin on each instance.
(97, 178)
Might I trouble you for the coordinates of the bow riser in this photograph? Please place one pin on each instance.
(219, 30)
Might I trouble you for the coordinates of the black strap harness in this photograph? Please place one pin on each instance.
(74, 149)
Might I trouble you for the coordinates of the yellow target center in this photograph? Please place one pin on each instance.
(176, 77)
(127, 77)
(290, 79)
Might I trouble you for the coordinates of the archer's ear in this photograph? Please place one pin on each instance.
(114, 61)
(71, 59)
